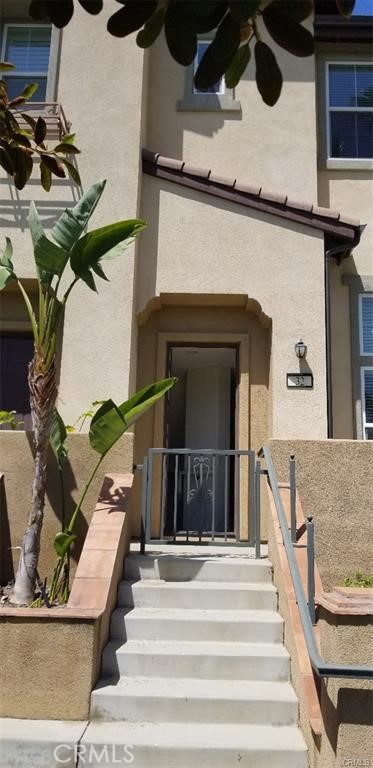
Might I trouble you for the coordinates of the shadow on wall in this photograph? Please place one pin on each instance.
(14, 209)
(354, 707)
(6, 555)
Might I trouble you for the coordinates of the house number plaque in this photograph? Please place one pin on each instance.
(299, 380)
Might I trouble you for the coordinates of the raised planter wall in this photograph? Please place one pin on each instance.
(16, 464)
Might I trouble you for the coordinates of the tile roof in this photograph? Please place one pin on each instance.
(332, 222)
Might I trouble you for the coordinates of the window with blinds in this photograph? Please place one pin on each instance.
(349, 93)
(366, 360)
(27, 47)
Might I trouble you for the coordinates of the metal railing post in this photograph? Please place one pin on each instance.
(293, 499)
(311, 568)
(143, 504)
(257, 509)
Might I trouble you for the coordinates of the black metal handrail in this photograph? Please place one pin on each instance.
(321, 667)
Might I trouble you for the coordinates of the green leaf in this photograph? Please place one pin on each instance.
(6, 66)
(237, 66)
(29, 120)
(6, 275)
(57, 437)
(100, 272)
(299, 10)
(53, 165)
(207, 22)
(6, 161)
(73, 221)
(92, 6)
(147, 36)
(181, 35)
(72, 171)
(242, 10)
(111, 421)
(67, 149)
(69, 138)
(88, 279)
(286, 32)
(210, 70)
(268, 73)
(61, 12)
(29, 90)
(48, 256)
(227, 38)
(45, 177)
(40, 131)
(22, 162)
(62, 542)
(94, 245)
(345, 7)
(131, 17)
(38, 10)
(16, 101)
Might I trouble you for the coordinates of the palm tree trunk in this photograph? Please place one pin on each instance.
(43, 394)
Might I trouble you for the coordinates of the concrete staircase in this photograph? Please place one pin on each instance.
(195, 672)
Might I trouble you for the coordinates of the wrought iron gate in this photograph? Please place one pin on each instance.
(199, 496)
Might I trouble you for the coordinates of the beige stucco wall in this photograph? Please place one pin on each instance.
(347, 704)
(195, 245)
(16, 462)
(334, 481)
(103, 104)
(254, 144)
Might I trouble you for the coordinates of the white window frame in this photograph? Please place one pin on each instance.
(358, 162)
(366, 424)
(220, 101)
(53, 53)
(361, 297)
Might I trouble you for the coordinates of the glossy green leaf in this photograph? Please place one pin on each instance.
(286, 32)
(57, 438)
(242, 10)
(6, 265)
(29, 120)
(210, 70)
(147, 36)
(29, 90)
(60, 12)
(94, 245)
(227, 38)
(62, 542)
(111, 421)
(237, 66)
(299, 10)
(40, 131)
(6, 66)
(268, 74)
(22, 162)
(73, 221)
(48, 256)
(181, 35)
(45, 177)
(68, 138)
(67, 149)
(100, 272)
(54, 166)
(88, 279)
(72, 171)
(131, 17)
(6, 161)
(92, 6)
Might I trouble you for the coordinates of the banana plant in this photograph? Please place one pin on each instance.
(108, 425)
(66, 246)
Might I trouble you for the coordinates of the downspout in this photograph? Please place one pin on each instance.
(339, 252)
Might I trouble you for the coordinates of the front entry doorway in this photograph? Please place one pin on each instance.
(200, 437)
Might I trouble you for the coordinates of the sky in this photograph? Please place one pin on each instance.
(363, 8)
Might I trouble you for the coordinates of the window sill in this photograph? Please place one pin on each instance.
(212, 103)
(351, 164)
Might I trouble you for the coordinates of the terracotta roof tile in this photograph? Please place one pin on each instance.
(313, 215)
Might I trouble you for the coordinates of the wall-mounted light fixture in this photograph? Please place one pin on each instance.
(300, 349)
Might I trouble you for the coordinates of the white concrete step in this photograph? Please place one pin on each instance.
(179, 745)
(194, 624)
(188, 700)
(202, 660)
(197, 567)
(39, 743)
(197, 594)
